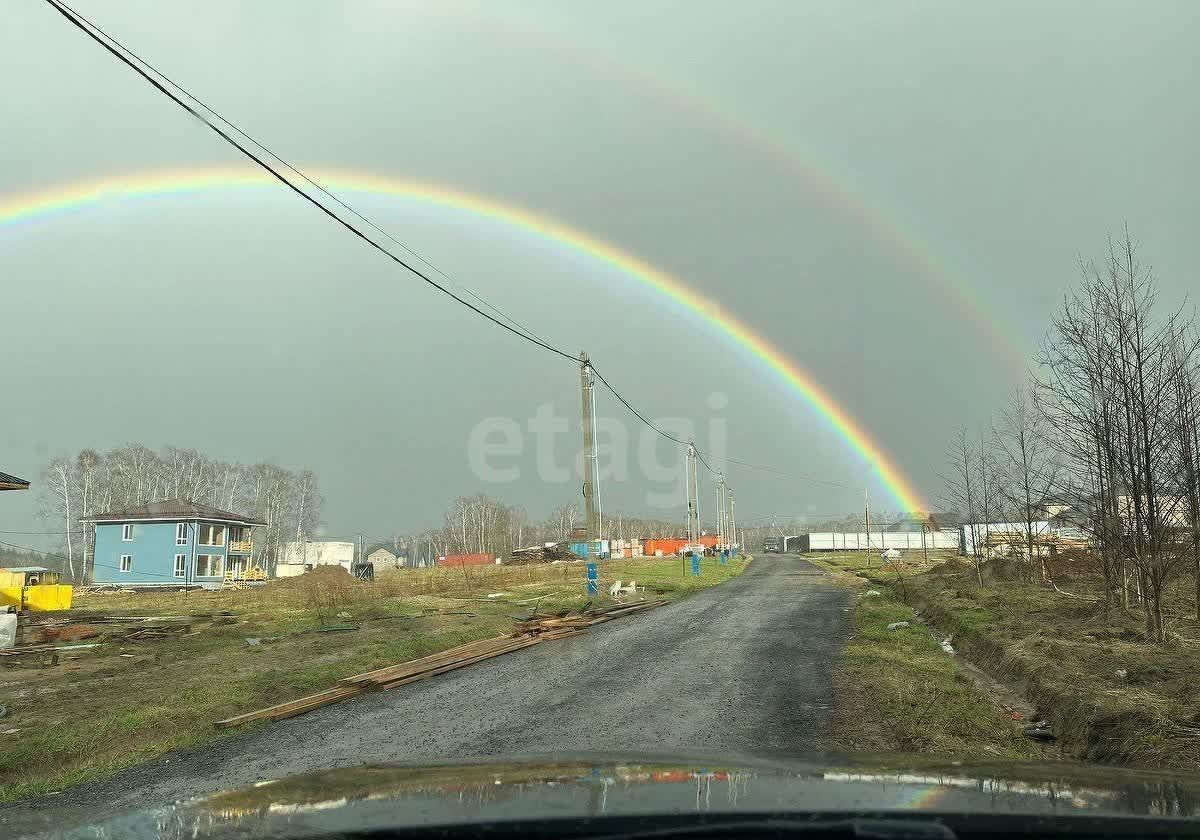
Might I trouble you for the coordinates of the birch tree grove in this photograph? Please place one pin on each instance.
(133, 475)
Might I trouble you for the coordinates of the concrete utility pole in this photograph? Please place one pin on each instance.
(733, 518)
(867, 520)
(691, 479)
(720, 509)
(590, 520)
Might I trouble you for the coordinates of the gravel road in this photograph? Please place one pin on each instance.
(740, 669)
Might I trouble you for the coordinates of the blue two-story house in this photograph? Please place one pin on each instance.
(175, 542)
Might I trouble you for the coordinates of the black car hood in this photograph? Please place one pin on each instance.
(594, 786)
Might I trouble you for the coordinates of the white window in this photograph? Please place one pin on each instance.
(127, 561)
(181, 534)
(210, 565)
(180, 565)
(127, 532)
(212, 535)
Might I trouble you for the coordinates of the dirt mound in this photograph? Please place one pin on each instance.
(319, 575)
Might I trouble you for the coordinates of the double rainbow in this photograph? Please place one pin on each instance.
(79, 195)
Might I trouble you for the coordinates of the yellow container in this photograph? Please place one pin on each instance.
(33, 588)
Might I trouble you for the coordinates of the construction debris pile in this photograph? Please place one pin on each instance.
(530, 631)
(542, 554)
(37, 633)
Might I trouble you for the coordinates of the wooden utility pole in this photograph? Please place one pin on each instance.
(587, 385)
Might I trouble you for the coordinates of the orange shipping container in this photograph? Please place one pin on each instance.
(465, 560)
(664, 546)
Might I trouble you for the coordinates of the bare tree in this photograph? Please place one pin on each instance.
(962, 491)
(1027, 466)
(1113, 373)
(563, 520)
(58, 497)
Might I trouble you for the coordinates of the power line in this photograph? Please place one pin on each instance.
(94, 564)
(144, 62)
(119, 51)
(78, 23)
(83, 25)
(784, 473)
(635, 412)
(43, 533)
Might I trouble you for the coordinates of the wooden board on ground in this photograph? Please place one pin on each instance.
(532, 631)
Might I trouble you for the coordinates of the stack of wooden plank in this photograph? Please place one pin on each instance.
(600, 615)
(439, 663)
(560, 626)
(554, 626)
(529, 632)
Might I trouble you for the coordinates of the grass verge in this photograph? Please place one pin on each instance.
(898, 691)
(1110, 694)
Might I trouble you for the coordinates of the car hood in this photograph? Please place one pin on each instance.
(599, 785)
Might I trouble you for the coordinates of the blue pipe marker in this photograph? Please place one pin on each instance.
(695, 565)
(593, 580)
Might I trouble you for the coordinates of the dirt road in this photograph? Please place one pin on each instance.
(740, 669)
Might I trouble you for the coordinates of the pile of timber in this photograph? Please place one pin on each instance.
(561, 626)
(541, 554)
(37, 629)
(529, 632)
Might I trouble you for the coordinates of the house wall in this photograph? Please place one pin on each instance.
(153, 550)
(382, 557)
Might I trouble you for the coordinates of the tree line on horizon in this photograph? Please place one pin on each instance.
(91, 482)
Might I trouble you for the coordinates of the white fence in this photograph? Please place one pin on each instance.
(876, 541)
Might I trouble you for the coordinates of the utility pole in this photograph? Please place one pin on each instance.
(691, 480)
(587, 384)
(720, 509)
(733, 518)
(867, 520)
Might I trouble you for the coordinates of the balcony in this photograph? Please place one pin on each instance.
(240, 546)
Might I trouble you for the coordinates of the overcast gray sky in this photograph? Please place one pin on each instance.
(894, 195)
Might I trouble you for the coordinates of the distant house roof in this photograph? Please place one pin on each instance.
(383, 546)
(171, 510)
(11, 482)
(24, 569)
(946, 519)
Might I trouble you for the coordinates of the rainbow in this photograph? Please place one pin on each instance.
(40, 204)
(816, 172)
